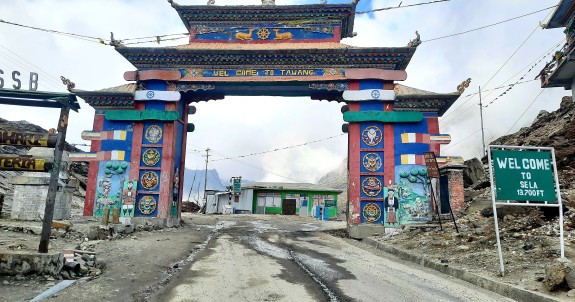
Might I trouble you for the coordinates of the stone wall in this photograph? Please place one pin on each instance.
(22, 263)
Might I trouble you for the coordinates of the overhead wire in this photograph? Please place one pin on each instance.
(487, 26)
(398, 7)
(524, 111)
(281, 148)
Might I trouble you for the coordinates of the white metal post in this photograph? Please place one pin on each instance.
(501, 265)
(558, 193)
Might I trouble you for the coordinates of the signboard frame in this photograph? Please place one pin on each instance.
(495, 202)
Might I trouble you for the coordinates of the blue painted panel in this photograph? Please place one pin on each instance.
(151, 156)
(149, 180)
(371, 105)
(156, 105)
(147, 206)
(266, 33)
(373, 214)
(370, 84)
(156, 85)
(125, 145)
(371, 135)
(411, 148)
(372, 186)
(153, 133)
(430, 114)
(371, 161)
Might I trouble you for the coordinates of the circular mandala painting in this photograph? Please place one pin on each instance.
(149, 180)
(147, 205)
(153, 134)
(371, 136)
(371, 186)
(371, 212)
(151, 157)
(371, 162)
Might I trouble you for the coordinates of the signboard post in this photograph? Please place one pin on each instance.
(524, 176)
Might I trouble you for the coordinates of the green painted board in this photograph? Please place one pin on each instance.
(384, 117)
(141, 115)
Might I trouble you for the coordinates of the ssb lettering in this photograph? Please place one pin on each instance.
(33, 80)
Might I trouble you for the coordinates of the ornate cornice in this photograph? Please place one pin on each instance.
(163, 58)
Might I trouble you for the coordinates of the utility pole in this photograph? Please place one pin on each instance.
(481, 115)
(206, 176)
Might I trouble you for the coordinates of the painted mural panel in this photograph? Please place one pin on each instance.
(413, 194)
(151, 157)
(264, 33)
(153, 133)
(110, 182)
(371, 136)
(372, 212)
(149, 180)
(128, 201)
(175, 194)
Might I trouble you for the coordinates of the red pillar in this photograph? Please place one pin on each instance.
(93, 168)
(354, 160)
(167, 169)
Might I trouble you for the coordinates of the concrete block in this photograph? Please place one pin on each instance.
(14, 263)
(363, 231)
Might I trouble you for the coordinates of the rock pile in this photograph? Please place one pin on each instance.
(81, 263)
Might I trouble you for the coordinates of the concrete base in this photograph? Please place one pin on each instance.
(359, 231)
(15, 263)
(154, 221)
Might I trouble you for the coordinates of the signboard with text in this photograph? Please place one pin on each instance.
(523, 175)
(431, 163)
(237, 185)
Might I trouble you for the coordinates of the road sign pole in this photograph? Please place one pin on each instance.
(501, 265)
(558, 192)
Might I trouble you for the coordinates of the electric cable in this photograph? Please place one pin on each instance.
(524, 111)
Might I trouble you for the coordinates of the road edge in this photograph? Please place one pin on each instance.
(503, 289)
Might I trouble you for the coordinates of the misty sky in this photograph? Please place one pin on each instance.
(244, 125)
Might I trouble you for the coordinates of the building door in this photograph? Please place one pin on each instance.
(444, 194)
(261, 206)
(288, 206)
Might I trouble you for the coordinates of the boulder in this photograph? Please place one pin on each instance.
(570, 278)
(555, 274)
(473, 173)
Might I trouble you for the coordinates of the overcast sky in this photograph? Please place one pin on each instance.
(244, 125)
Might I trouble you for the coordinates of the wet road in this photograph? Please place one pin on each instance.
(295, 261)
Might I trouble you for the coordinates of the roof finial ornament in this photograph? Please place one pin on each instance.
(211, 2)
(415, 42)
(355, 2)
(172, 3)
(268, 2)
(114, 42)
(323, 2)
(461, 88)
(69, 84)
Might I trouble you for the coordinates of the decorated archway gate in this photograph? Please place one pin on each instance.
(139, 132)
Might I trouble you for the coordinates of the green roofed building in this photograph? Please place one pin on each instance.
(301, 199)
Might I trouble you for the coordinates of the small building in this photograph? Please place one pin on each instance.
(301, 199)
(560, 71)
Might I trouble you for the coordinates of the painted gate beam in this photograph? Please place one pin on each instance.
(97, 156)
(383, 117)
(29, 139)
(375, 74)
(141, 115)
(157, 95)
(369, 95)
(166, 75)
(9, 162)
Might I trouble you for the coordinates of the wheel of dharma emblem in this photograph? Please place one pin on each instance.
(264, 33)
(375, 94)
(150, 94)
(371, 212)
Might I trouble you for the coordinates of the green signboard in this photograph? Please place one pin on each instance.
(330, 203)
(523, 175)
(237, 185)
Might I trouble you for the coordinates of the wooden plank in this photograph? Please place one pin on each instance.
(190, 127)
(157, 95)
(375, 74)
(383, 117)
(166, 75)
(28, 139)
(141, 115)
(369, 95)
